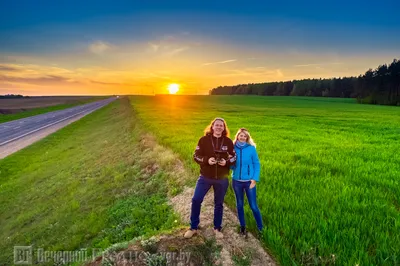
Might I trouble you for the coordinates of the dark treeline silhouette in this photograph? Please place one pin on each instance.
(11, 96)
(379, 86)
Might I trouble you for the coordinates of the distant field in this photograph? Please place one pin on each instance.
(330, 178)
(12, 109)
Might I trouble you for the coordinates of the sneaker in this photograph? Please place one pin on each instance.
(218, 234)
(243, 231)
(189, 233)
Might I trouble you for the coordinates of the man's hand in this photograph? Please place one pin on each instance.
(252, 184)
(222, 162)
(212, 161)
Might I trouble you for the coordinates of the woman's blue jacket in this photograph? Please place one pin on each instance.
(247, 163)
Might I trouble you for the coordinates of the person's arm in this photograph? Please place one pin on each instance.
(198, 155)
(231, 162)
(256, 165)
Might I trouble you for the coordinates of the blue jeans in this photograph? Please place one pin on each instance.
(240, 188)
(203, 185)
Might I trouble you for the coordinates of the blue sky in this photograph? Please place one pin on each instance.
(197, 44)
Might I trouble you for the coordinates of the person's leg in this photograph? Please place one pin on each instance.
(220, 187)
(239, 194)
(252, 198)
(202, 187)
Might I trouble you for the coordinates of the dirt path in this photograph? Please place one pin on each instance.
(153, 158)
(232, 243)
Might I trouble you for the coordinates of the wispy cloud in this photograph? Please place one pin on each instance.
(8, 68)
(256, 72)
(106, 83)
(49, 79)
(99, 47)
(154, 47)
(113, 83)
(319, 64)
(168, 46)
(220, 62)
(27, 70)
(279, 73)
(176, 51)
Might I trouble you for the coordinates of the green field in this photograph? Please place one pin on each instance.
(329, 183)
(84, 186)
(330, 177)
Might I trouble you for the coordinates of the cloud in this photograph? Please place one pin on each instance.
(105, 83)
(320, 64)
(176, 51)
(110, 83)
(256, 72)
(154, 46)
(8, 68)
(99, 47)
(220, 62)
(44, 80)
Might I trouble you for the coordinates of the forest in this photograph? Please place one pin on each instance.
(378, 86)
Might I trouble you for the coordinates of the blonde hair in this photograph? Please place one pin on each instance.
(210, 130)
(249, 139)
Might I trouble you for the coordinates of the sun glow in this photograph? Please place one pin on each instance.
(173, 88)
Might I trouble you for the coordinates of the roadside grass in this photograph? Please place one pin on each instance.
(37, 111)
(330, 188)
(89, 185)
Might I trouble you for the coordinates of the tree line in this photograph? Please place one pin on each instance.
(379, 86)
(11, 96)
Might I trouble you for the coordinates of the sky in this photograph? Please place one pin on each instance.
(140, 47)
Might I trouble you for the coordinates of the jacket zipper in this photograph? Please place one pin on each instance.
(248, 170)
(216, 166)
(240, 175)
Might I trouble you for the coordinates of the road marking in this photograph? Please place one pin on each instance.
(33, 131)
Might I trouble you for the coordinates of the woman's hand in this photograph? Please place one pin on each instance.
(252, 184)
(212, 161)
(222, 162)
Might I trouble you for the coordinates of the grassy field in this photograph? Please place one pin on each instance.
(88, 185)
(330, 187)
(21, 108)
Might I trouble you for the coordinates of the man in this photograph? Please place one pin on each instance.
(215, 154)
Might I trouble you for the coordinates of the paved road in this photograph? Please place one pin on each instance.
(17, 129)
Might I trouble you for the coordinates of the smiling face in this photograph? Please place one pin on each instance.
(218, 127)
(242, 137)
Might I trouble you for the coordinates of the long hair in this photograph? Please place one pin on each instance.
(249, 139)
(209, 129)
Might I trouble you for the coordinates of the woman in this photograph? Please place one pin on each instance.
(245, 175)
(215, 154)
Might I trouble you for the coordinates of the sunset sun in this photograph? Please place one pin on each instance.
(173, 88)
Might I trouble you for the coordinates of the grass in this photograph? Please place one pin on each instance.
(42, 110)
(89, 185)
(330, 188)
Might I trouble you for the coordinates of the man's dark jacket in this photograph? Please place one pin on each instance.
(211, 146)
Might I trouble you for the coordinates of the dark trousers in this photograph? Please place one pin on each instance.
(203, 185)
(244, 187)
